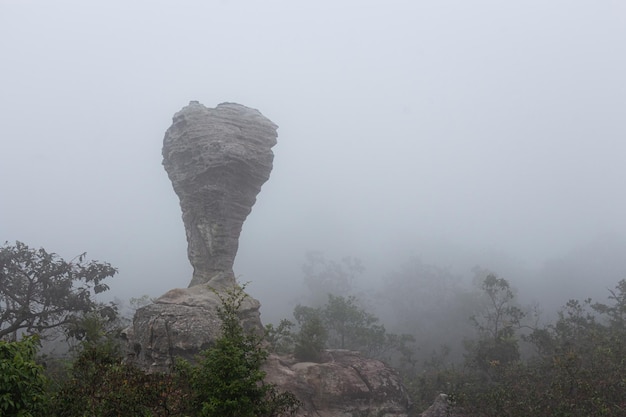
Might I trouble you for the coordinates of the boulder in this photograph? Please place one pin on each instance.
(344, 384)
(181, 323)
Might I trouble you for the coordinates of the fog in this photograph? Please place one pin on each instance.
(463, 133)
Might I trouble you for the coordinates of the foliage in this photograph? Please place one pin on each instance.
(95, 326)
(349, 326)
(22, 381)
(228, 380)
(501, 317)
(100, 383)
(312, 337)
(342, 324)
(579, 371)
(280, 338)
(40, 291)
(497, 324)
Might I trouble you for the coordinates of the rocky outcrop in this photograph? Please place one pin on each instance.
(217, 160)
(181, 323)
(345, 384)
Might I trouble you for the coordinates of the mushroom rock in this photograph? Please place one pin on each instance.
(217, 160)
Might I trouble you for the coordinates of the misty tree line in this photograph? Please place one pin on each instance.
(476, 343)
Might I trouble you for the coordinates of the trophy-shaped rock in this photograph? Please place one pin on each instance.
(217, 160)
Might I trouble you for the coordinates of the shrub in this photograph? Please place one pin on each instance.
(22, 382)
(101, 384)
(228, 380)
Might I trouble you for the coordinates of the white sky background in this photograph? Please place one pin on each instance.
(406, 127)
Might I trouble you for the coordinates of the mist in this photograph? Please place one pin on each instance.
(462, 133)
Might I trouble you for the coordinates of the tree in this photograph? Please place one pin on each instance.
(228, 381)
(497, 325)
(342, 324)
(101, 383)
(40, 291)
(350, 326)
(580, 371)
(311, 339)
(616, 312)
(280, 338)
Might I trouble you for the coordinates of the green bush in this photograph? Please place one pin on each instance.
(228, 380)
(312, 337)
(22, 381)
(101, 384)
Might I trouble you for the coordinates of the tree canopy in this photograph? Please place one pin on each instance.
(41, 291)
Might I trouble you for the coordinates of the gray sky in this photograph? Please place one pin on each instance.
(432, 128)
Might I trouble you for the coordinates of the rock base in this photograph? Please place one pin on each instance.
(181, 323)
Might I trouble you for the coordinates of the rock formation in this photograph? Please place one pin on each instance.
(344, 384)
(181, 323)
(217, 160)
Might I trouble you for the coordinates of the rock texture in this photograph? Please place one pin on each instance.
(217, 160)
(345, 385)
(180, 323)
